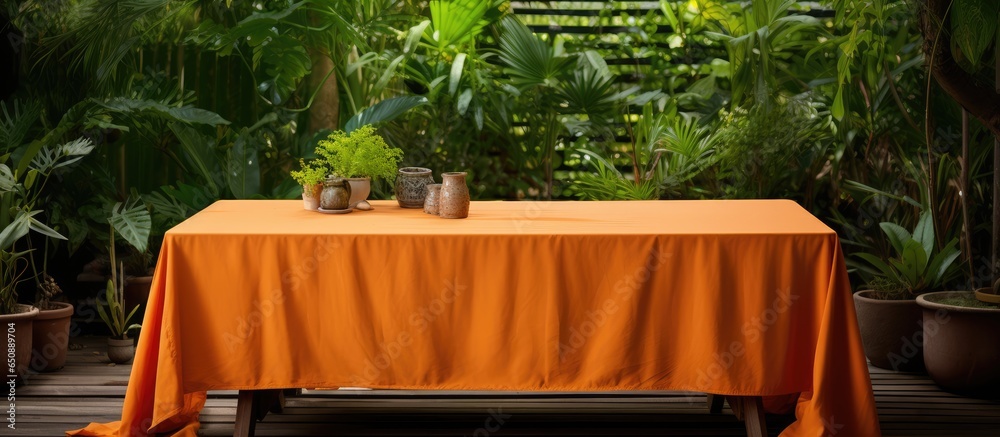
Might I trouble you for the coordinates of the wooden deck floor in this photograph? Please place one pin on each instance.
(89, 389)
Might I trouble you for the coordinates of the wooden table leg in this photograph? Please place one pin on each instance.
(750, 409)
(253, 406)
(246, 416)
(714, 403)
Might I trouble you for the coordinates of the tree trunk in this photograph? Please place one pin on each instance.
(325, 110)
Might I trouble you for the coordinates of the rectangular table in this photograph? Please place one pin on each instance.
(734, 297)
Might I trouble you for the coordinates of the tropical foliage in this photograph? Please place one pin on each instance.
(845, 106)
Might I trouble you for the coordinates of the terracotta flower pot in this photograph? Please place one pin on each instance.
(890, 332)
(19, 325)
(310, 196)
(961, 345)
(50, 338)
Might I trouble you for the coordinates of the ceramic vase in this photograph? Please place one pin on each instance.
(411, 186)
(432, 201)
(336, 194)
(454, 199)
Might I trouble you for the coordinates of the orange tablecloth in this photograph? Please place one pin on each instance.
(730, 297)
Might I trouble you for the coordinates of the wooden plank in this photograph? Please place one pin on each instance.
(90, 390)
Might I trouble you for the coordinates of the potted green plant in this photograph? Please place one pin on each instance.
(120, 347)
(12, 314)
(132, 221)
(889, 318)
(21, 189)
(359, 157)
(311, 177)
(962, 352)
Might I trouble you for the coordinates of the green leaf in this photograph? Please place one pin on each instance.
(129, 317)
(388, 74)
(270, 17)
(131, 220)
(243, 168)
(668, 12)
(14, 231)
(104, 315)
(913, 262)
(7, 181)
(413, 36)
(199, 150)
(838, 104)
(924, 232)
(41, 228)
(463, 101)
(974, 27)
(456, 73)
(456, 22)
(881, 265)
(77, 230)
(286, 63)
(188, 114)
(184, 114)
(383, 111)
(529, 60)
(940, 264)
(29, 179)
(896, 234)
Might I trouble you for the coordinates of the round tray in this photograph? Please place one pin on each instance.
(334, 211)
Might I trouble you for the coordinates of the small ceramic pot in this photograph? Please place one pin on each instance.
(336, 194)
(120, 351)
(310, 196)
(454, 201)
(432, 201)
(411, 186)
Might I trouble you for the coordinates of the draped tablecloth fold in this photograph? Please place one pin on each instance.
(741, 297)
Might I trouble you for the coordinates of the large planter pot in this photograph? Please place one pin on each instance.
(360, 189)
(890, 332)
(961, 348)
(411, 186)
(137, 293)
(50, 337)
(18, 327)
(120, 351)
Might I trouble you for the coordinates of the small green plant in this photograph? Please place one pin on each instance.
(362, 153)
(114, 316)
(313, 173)
(916, 268)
